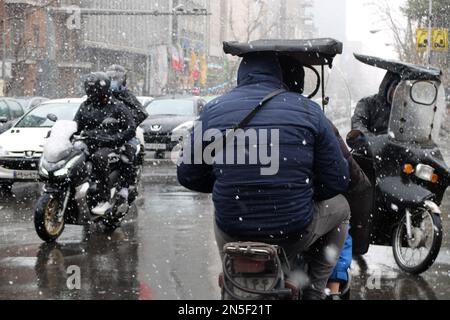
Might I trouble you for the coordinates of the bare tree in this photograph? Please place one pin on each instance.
(257, 23)
(403, 36)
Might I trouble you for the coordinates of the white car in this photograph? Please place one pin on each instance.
(21, 146)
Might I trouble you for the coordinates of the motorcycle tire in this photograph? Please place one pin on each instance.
(433, 251)
(46, 208)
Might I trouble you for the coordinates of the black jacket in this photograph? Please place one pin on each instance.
(372, 113)
(133, 105)
(358, 179)
(90, 117)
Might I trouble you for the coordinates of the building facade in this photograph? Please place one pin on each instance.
(167, 46)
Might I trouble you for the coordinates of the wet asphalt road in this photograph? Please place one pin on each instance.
(165, 250)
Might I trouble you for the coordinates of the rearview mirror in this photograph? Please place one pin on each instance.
(52, 117)
(3, 119)
(424, 92)
(356, 139)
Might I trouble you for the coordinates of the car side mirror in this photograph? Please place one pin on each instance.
(3, 119)
(356, 140)
(52, 117)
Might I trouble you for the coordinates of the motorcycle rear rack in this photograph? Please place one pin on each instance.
(250, 259)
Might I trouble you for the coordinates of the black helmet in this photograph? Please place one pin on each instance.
(98, 86)
(118, 76)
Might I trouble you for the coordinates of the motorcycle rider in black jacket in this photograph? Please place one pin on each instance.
(118, 77)
(372, 113)
(102, 139)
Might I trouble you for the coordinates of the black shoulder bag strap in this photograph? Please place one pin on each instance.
(251, 115)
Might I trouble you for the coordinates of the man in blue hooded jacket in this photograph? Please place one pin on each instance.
(300, 207)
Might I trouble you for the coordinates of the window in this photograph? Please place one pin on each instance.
(15, 109)
(37, 118)
(171, 107)
(4, 110)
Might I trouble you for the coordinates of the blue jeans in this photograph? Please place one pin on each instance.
(340, 273)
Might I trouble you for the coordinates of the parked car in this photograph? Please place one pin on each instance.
(30, 102)
(21, 146)
(10, 111)
(165, 115)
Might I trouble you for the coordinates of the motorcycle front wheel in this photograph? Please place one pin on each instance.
(48, 220)
(416, 255)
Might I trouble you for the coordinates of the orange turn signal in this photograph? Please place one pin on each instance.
(408, 168)
(434, 178)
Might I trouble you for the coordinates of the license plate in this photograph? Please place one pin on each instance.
(26, 175)
(155, 146)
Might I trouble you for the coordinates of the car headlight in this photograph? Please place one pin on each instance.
(3, 152)
(184, 126)
(182, 131)
(426, 172)
(65, 170)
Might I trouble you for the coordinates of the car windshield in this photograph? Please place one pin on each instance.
(171, 107)
(37, 118)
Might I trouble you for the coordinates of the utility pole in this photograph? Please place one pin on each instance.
(430, 31)
(4, 45)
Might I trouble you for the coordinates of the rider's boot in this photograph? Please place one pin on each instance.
(101, 208)
(122, 200)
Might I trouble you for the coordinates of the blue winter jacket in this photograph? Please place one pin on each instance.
(253, 206)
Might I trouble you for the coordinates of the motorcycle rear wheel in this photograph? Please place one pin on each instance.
(46, 221)
(428, 227)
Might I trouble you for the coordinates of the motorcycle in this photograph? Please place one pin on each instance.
(69, 192)
(407, 170)
(260, 271)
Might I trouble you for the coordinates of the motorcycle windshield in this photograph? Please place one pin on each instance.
(417, 111)
(58, 146)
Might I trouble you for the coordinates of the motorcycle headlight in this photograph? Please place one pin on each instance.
(65, 170)
(426, 172)
(61, 172)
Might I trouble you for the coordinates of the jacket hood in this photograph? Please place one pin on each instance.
(388, 80)
(260, 67)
